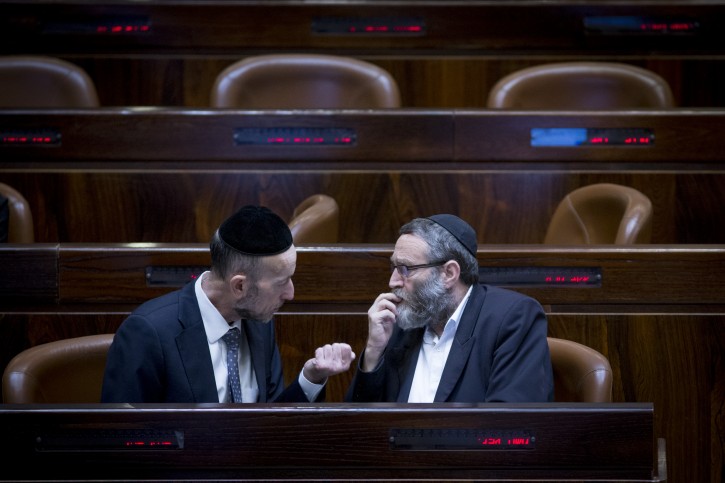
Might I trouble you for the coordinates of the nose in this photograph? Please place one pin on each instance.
(289, 292)
(396, 280)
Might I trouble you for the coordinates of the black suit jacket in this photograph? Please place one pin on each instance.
(161, 354)
(499, 354)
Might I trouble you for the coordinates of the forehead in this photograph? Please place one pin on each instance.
(410, 249)
(280, 265)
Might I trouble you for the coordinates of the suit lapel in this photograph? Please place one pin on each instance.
(405, 358)
(461, 346)
(194, 348)
(255, 338)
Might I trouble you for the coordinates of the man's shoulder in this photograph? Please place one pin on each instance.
(163, 302)
(501, 295)
(496, 291)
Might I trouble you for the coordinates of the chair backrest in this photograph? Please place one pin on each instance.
(304, 81)
(44, 82)
(20, 217)
(581, 374)
(602, 213)
(62, 371)
(315, 220)
(581, 86)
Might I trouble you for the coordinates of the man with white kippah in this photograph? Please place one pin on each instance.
(440, 336)
(213, 340)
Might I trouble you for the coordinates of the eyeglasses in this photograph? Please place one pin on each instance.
(404, 270)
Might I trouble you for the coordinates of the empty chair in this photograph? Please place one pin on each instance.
(602, 213)
(20, 217)
(581, 86)
(581, 374)
(63, 371)
(315, 220)
(44, 82)
(304, 81)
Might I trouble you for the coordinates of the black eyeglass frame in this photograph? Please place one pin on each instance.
(404, 270)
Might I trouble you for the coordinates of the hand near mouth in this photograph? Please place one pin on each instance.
(381, 318)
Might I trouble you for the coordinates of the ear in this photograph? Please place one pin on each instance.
(238, 285)
(451, 273)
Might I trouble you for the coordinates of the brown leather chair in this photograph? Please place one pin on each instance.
(63, 371)
(582, 86)
(20, 217)
(44, 82)
(602, 213)
(581, 374)
(315, 220)
(304, 81)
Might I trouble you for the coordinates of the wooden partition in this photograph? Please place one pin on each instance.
(442, 54)
(172, 175)
(656, 313)
(380, 442)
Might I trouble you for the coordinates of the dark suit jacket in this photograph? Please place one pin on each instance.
(499, 354)
(160, 354)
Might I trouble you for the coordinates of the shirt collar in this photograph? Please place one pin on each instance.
(452, 325)
(214, 324)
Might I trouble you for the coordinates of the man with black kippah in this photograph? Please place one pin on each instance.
(440, 336)
(213, 340)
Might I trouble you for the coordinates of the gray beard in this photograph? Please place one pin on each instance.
(245, 314)
(428, 304)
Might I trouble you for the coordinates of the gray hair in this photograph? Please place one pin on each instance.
(443, 246)
(226, 261)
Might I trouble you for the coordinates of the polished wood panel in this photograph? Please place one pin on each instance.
(412, 139)
(426, 81)
(340, 274)
(409, 26)
(113, 165)
(72, 206)
(657, 316)
(462, 49)
(129, 274)
(384, 442)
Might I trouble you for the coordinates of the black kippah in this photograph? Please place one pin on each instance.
(256, 230)
(463, 232)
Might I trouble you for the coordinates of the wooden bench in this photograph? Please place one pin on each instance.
(381, 442)
(443, 54)
(655, 311)
(172, 175)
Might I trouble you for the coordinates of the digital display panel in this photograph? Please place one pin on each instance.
(633, 25)
(172, 276)
(457, 439)
(575, 137)
(109, 439)
(295, 136)
(104, 24)
(541, 276)
(33, 137)
(369, 26)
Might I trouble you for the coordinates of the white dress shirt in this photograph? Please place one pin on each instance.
(215, 327)
(432, 357)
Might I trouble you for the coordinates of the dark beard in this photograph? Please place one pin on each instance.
(429, 303)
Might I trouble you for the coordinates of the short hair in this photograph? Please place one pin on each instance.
(226, 261)
(442, 245)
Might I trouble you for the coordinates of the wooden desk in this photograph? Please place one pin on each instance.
(657, 315)
(420, 27)
(384, 442)
(349, 277)
(172, 175)
(443, 54)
